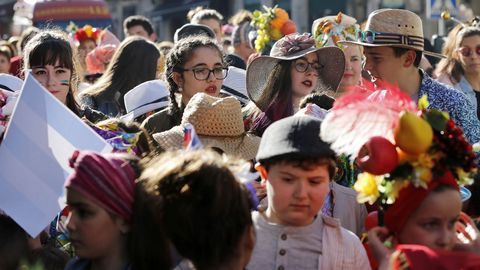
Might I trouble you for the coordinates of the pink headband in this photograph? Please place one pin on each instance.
(106, 179)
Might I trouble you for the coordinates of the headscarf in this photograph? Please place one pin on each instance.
(104, 178)
(410, 198)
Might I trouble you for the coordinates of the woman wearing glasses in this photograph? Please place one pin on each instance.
(461, 68)
(195, 64)
(295, 68)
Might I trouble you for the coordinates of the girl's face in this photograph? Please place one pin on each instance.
(215, 26)
(203, 60)
(55, 78)
(468, 54)
(85, 47)
(94, 232)
(353, 67)
(4, 64)
(433, 223)
(304, 74)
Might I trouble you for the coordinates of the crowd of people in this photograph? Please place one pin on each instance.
(263, 148)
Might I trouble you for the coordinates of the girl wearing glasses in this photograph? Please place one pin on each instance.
(195, 64)
(461, 68)
(295, 68)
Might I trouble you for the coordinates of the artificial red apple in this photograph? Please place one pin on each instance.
(371, 221)
(377, 156)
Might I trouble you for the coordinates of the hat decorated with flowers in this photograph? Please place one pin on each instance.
(87, 32)
(329, 30)
(404, 154)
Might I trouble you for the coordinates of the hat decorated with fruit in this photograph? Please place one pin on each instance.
(404, 151)
(329, 30)
(271, 26)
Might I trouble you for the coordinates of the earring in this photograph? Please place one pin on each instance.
(180, 89)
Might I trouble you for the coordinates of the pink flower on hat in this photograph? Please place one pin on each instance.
(292, 43)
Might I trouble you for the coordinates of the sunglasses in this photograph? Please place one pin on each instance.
(373, 37)
(467, 52)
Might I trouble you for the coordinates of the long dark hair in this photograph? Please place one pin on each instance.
(48, 46)
(176, 59)
(134, 62)
(281, 96)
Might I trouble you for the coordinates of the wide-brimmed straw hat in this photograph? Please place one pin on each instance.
(218, 123)
(291, 47)
(146, 97)
(394, 28)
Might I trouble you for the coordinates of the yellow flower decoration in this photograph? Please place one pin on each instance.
(423, 102)
(392, 188)
(367, 187)
(88, 30)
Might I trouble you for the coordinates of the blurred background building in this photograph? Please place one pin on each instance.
(168, 15)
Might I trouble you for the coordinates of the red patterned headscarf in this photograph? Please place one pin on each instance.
(410, 198)
(104, 178)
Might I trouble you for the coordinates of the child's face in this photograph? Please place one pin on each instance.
(93, 231)
(433, 223)
(295, 195)
(4, 64)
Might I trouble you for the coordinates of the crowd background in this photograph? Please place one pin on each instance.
(249, 145)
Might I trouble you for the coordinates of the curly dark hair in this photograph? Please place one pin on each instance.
(176, 59)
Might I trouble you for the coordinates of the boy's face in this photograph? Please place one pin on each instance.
(382, 64)
(295, 195)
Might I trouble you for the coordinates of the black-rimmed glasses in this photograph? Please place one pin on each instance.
(302, 66)
(203, 73)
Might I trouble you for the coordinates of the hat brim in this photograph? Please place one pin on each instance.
(437, 55)
(144, 109)
(331, 58)
(245, 146)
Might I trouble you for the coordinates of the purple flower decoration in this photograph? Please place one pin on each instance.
(291, 44)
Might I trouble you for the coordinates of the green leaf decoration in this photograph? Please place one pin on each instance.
(437, 119)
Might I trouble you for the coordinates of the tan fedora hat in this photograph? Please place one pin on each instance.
(218, 123)
(393, 28)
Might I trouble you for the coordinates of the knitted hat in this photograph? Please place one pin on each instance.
(218, 123)
(106, 179)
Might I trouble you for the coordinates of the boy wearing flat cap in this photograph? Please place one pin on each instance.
(296, 166)
(393, 43)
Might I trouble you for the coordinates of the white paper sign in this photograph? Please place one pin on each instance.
(34, 156)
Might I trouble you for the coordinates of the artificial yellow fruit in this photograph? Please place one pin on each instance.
(276, 34)
(413, 134)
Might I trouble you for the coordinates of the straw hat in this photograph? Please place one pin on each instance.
(292, 47)
(329, 30)
(395, 28)
(146, 97)
(218, 123)
(235, 84)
